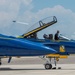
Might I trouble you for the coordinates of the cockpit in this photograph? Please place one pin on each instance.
(42, 24)
(32, 32)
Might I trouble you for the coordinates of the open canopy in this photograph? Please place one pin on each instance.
(42, 24)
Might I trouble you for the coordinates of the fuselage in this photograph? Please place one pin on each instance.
(69, 45)
(12, 46)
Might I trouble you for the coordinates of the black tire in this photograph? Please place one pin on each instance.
(0, 63)
(48, 66)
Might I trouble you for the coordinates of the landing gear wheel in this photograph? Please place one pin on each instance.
(48, 66)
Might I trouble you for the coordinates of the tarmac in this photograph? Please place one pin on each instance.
(34, 66)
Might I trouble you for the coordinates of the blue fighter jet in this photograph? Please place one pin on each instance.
(29, 44)
(13, 46)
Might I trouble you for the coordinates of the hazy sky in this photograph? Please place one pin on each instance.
(30, 11)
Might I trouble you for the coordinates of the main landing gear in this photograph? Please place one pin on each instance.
(48, 64)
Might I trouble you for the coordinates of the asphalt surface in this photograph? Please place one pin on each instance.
(34, 66)
(36, 69)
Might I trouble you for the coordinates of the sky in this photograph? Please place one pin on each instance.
(31, 11)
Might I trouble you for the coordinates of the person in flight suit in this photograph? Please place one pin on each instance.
(56, 37)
